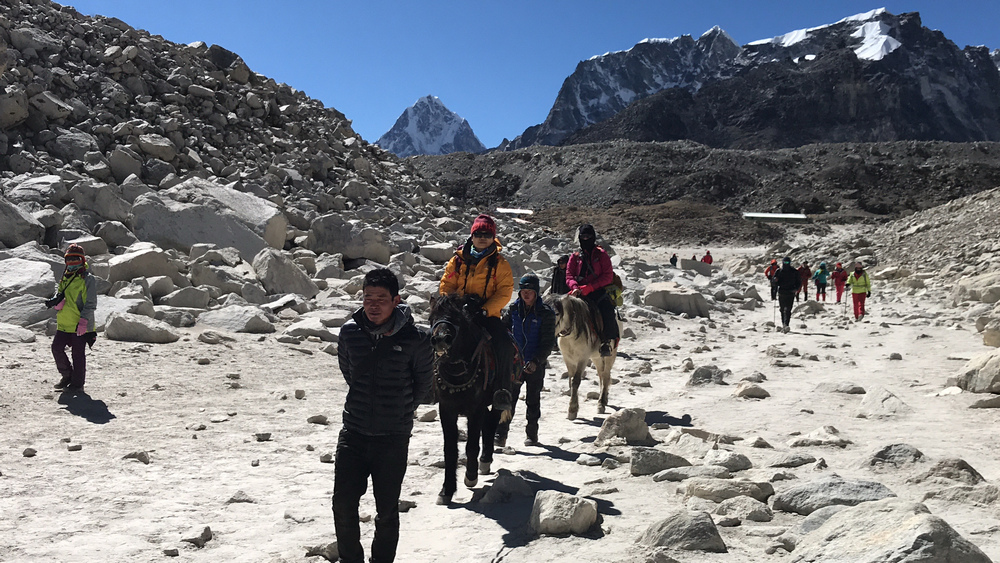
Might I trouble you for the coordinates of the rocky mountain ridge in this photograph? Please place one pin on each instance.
(870, 77)
(429, 128)
(603, 85)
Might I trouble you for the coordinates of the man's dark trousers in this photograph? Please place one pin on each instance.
(532, 402)
(786, 299)
(384, 459)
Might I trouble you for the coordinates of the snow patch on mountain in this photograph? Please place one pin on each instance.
(875, 41)
(428, 127)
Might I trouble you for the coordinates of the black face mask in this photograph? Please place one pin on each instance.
(588, 244)
(858, 270)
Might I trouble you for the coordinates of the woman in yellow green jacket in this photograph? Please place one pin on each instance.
(861, 288)
(76, 302)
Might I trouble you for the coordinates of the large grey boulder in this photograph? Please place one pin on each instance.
(157, 146)
(331, 233)
(137, 328)
(647, 461)
(672, 297)
(893, 456)
(43, 190)
(745, 508)
(17, 226)
(107, 306)
(689, 531)
(984, 287)
(879, 402)
(718, 490)
(27, 277)
(887, 530)
(13, 107)
(949, 471)
(11, 334)
(733, 461)
(226, 279)
(104, 200)
(311, 327)
(140, 264)
(25, 310)
(193, 297)
(49, 105)
(73, 145)
(808, 497)
(628, 424)
(695, 266)
(237, 318)
(124, 163)
(279, 274)
(439, 252)
(114, 233)
(980, 374)
(557, 513)
(199, 211)
(682, 473)
(25, 37)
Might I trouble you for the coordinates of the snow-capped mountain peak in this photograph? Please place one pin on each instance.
(428, 127)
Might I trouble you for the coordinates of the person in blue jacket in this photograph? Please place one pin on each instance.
(821, 276)
(533, 324)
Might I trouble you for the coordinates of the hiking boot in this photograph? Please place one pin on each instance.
(861, 317)
(531, 441)
(63, 383)
(73, 389)
(605, 349)
(499, 442)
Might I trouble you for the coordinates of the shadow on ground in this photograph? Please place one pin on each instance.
(86, 407)
(514, 516)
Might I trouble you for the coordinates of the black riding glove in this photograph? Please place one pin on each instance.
(869, 294)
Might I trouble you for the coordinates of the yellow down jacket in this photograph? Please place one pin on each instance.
(459, 277)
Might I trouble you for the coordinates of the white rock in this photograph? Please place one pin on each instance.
(137, 328)
(19, 226)
(237, 318)
(556, 513)
(676, 299)
(279, 274)
(193, 297)
(24, 276)
(10, 334)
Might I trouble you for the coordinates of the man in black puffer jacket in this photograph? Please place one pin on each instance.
(789, 282)
(388, 364)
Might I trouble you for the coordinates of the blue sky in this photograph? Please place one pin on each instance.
(497, 64)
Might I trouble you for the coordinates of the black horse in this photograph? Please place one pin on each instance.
(463, 362)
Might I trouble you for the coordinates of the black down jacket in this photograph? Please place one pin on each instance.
(387, 376)
(788, 278)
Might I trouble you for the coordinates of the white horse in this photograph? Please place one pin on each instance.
(578, 343)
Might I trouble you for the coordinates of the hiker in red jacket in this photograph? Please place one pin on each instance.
(839, 277)
(707, 258)
(805, 274)
(769, 273)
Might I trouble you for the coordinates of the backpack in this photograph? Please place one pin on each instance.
(615, 289)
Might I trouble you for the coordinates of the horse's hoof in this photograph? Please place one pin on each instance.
(571, 414)
(444, 499)
(471, 482)
(600, 409)
(484, 468)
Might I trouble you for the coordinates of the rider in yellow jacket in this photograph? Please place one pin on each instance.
(861, 288)
(479, 269)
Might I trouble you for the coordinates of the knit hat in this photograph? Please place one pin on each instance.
(786, 260)
(484, 223)
(774, 261)
(529, 281)
(75, 254)
(587, 229)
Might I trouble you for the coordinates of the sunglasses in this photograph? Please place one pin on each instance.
(482, 234)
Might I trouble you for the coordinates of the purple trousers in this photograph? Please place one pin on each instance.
(76, 372)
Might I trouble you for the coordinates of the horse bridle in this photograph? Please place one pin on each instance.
(478, 357)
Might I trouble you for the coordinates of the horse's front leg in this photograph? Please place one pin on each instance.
(491, 420)
(576, 373)
(449, 427)
(475, 419)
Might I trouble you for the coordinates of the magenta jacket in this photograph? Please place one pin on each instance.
(601, 275)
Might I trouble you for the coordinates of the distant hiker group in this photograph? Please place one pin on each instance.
(789, 283)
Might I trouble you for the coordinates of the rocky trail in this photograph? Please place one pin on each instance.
(236, 428)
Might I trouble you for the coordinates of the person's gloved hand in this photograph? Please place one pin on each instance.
(81, 327)
(869, 294)
(55, 300)
(60, 306)
(530, 367)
